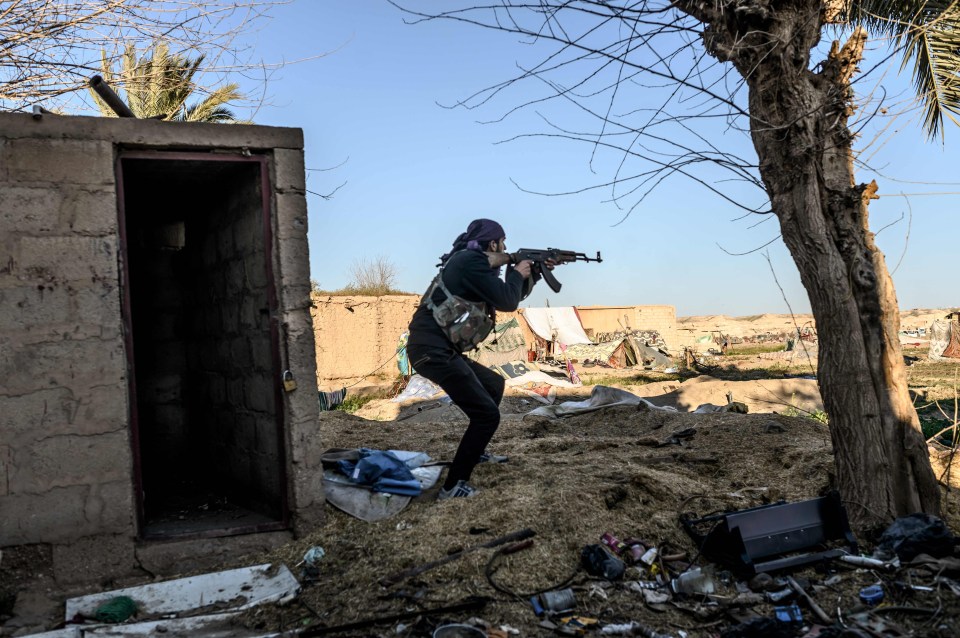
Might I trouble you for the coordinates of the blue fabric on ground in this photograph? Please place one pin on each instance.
(382, 472)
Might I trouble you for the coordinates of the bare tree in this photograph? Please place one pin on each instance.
(375, 276)
(644, 84)
(48, 48)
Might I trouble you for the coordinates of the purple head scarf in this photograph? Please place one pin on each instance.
(479, 233)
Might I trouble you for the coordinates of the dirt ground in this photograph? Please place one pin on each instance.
(569, 481)
(620, 470)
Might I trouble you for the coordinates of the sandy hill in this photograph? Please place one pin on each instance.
(759, 324)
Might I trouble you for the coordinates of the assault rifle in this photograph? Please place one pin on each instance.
(540, 257)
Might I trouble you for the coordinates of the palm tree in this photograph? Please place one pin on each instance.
(928, 34)
(158, 84)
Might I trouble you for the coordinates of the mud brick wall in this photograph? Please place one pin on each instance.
(663, 319)
(355, 335)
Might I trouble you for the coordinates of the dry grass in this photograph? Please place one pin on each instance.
(570, 481)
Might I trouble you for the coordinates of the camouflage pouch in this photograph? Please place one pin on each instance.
(465, 323)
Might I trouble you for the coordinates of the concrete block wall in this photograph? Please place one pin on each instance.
(235, 389)
(66, 477)
(64, 447)
(291, 256)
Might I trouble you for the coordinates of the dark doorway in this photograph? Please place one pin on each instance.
(199, 302)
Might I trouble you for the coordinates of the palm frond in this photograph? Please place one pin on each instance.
(928, 33)
(159, 83)
(212, 109)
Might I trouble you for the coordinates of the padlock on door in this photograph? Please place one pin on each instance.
(289, 383)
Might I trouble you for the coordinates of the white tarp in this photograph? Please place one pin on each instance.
(234, 589)
(418, 388)
(556, 324)
(535, 376)
(601, 397)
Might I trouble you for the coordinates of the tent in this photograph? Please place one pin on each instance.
(504, 344)
(617, 354)
(556, 324)
(944, 340)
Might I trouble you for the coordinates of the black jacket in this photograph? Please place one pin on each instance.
(468, 274)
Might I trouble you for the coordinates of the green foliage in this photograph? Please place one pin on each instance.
(777, 370)
(817, 415)
(353, 403)
(794, 410)
(158, 85)
(944, 430)
(368, 291)
(754, 348)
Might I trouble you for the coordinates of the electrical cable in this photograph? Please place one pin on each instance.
(488, 571)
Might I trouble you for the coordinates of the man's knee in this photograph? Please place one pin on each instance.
(487, 416)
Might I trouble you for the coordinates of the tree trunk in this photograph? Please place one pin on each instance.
(798, 121)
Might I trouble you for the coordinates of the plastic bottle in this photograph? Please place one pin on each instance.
(694, 581)
(616, 546)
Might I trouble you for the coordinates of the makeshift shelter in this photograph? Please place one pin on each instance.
(555, 327)
(616, 354)
(155, 324)
(504, 344)
(944, 340)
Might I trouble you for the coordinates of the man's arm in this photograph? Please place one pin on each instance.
(481, 280)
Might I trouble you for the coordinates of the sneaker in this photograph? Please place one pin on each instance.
(486, 457)
(461, 490)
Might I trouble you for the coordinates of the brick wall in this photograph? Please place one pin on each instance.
(233, 388)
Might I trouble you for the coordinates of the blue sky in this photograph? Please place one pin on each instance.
(414, 174)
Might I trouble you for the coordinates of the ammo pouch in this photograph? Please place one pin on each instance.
(465, 323)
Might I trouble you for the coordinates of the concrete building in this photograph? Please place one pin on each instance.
(154, 292)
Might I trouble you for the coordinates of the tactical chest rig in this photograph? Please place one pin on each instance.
(465, 323)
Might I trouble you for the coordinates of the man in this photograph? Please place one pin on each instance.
(455, 314)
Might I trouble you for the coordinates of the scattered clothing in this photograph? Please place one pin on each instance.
(600, 397)
(403, 361)
(382, 472)
(330, 400)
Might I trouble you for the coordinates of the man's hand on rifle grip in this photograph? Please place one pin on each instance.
(524, 268)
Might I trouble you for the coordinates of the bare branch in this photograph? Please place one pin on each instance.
(49, 48)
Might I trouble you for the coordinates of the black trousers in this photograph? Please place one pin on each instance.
(475, 389)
